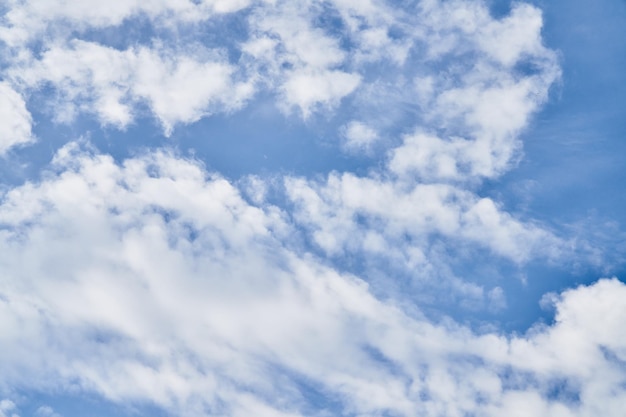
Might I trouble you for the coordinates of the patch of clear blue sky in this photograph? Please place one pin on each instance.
(81, 403)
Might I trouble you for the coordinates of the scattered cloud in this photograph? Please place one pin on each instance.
(178, 87)
(15, 119)
(359, 137)
(151, 279)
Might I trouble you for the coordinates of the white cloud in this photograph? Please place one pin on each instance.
(28, 20)
(308, 90)
(520, 31)
(178, 86)
(154, 281)
(8, 408)
(302, 60)
(331, 209)
(15, 119)
(181, 89)
(359, 137)
(303, 45)
(430, 157)
(164, 285)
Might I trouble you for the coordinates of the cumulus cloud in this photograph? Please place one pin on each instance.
(347, 206)
(289, 51)
(305, 90)
(15, 119)
(153, 281)
(179, 87)
(359, 137)
(308, 62)
(165, 285)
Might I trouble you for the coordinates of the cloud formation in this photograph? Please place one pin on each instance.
(165, 285)
(15, 120)
(150, 280)
(288, 50)
(178, 87)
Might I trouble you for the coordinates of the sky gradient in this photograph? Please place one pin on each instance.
(312, 208)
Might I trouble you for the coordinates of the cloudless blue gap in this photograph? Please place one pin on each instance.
(224, 31)
(499, 8)
(82, 403)
(330, 21)
(528, 68)
(260, 140)
(575, 148)
(130, 33)
(120, 144)
(480, 267)
(563, 391)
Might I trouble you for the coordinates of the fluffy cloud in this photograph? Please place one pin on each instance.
(153, 281)
(305, 90)
(353, 213)
(307, 61)
(7, 408)
(15, 119)
(359, 137)
(179, 87)
(164, 285)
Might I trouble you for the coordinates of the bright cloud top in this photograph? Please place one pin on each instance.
(149, 280)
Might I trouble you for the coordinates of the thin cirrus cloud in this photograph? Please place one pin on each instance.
(154, 281)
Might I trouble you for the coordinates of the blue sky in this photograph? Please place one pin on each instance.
(312, 208)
